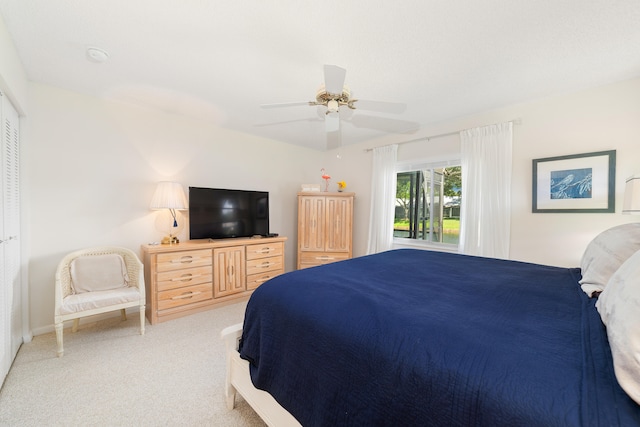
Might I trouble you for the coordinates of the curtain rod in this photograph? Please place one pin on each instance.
(517, 121)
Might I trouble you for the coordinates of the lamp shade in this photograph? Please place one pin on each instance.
(169, 195)
(631, 203)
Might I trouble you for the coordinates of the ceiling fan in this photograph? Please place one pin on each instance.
(333, 94)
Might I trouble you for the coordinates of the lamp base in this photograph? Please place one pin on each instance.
(170, 240)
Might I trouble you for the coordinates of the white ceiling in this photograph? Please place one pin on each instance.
(219, 61)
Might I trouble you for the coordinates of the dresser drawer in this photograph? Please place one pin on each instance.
(183, 259)
(255, 280)
(265, 250)
(310, 259)
(184, 296)
(185, 277)
(261, 265)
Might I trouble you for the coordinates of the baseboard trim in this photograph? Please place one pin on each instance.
(102, 316)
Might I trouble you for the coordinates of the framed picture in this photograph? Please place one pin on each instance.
(579, 183)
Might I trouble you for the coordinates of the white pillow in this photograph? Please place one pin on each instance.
(605, 253)
(619, 308)
(98, 273)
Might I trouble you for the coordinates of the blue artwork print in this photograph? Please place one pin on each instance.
(571, 184)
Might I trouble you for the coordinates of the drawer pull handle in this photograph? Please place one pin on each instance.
(264, 251)
(266, 264)
(263, 279)
(186, 295)
(185, 277)
(186, 259)
(325, 258)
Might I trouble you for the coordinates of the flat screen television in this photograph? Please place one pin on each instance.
(216, 213)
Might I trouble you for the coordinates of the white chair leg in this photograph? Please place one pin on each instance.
(123, 314)
(142, 320)
(76, 323)
(59, 331)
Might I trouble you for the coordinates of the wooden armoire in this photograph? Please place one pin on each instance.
(325, 227)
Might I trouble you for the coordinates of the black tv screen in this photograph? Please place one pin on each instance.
(216, 213)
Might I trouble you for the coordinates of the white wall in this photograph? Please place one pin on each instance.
(604, 118)
(13, 80)
(93, 166)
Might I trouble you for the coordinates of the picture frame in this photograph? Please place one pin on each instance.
(578, 183)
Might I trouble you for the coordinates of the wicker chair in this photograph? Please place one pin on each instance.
(97, 280)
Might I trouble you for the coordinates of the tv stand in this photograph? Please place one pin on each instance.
(198, 275)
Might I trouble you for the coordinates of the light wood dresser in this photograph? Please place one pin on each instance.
(325, 227)
(190, 277)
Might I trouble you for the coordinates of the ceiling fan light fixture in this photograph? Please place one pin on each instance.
(332, 106)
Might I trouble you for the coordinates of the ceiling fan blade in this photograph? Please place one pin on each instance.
(381, 106)
(287, 122)
(334, 79)
(334, 140)
(286, 104)
(384, 124)
(332, 122)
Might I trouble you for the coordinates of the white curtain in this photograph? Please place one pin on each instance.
(383, 198)
(485, 211)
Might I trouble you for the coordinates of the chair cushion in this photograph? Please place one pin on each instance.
(98, 273)
(77, 303)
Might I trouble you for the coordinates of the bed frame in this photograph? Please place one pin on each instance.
(238, 380)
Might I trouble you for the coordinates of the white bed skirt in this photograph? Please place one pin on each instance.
(238, 380)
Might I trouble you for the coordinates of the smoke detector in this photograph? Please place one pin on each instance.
(98, 55)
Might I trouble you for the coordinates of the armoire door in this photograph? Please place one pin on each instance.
(339, 214)
(311, 223)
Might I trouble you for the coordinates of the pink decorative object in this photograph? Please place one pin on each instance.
(326, 178)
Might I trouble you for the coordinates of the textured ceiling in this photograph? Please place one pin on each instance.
(219, 61)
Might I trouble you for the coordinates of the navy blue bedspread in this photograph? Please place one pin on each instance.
(411, 337)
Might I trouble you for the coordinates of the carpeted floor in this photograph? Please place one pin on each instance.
(110, 375)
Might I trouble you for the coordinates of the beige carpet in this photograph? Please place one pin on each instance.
(112, 376)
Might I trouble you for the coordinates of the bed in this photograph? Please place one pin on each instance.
(413, 337)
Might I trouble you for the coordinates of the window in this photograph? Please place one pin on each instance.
(428, 200)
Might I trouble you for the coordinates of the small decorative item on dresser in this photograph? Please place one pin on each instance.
(326, 178)
(341, 186)
(310, 187)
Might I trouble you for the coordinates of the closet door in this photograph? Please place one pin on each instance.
(10, 286)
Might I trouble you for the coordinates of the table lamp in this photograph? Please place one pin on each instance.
(631, 204)
(169, 195)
